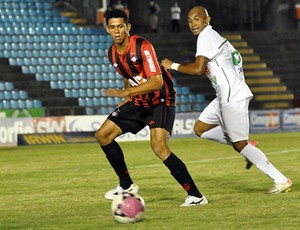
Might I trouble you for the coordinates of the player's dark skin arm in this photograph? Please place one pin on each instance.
(198, 67)
(154, 83)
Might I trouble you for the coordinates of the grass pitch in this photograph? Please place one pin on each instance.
(62, 186)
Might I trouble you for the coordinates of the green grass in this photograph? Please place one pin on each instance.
(62, 186)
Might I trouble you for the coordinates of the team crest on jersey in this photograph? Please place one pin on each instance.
(115, 113)
(133, 58)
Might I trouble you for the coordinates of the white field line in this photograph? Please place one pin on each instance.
(219, 158)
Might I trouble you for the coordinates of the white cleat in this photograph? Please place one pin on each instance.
(280, 187)
(111, 194)
(193, 201)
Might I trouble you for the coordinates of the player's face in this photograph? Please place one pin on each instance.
(197, 22)
(118, 30)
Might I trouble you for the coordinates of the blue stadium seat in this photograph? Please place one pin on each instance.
(37, 103)
(23, 94)
(96, 101)
(98, 83)
(9, 85)
(200, 98)
(75, 92)
(89, 111)
(2, 86)
(83, 84)
(75, 84)
(103, 101)
(29, 103)
(53, 84)
(21, 104)
(15, 94)
(89, 101)
(7, 95)
(89, 92)
(61, 84)
(6, 104)
(103, 110)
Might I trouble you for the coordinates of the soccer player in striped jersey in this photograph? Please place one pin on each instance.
(225, 119)
(149, 100)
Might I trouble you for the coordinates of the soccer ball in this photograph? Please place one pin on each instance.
(128, 207)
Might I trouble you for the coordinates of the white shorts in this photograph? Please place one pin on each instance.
(233, 117)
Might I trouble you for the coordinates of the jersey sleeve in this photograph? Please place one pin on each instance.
(207, 45)
(151, 65)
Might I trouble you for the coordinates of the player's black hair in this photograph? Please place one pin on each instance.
(116, 14)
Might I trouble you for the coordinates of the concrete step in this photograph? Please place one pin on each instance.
(250, 58)
(264, 89)
(277, 105)
(257, 65)
(262, 80)
(274, 97)
(244, 51)
(258, 73)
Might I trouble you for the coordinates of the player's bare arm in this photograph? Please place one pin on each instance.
(198, 67)
(154, 83)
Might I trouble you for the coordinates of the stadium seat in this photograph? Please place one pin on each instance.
(14, 104)
(15, 94)
(89, 111)
(21, 104)
(68, 93)
(98, 92)
(89, 92)
(6, 104)
(37, 103)
(29, 103)
(75, 92)
(81, 101)
(23, 94)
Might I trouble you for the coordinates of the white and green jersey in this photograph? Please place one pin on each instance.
(225, 66)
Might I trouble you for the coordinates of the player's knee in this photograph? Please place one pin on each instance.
(161, 150)
(101, 139)
(239, 145)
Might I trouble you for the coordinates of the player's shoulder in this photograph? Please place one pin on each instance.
(140, 38)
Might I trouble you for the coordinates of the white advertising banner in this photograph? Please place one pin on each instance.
(11, 127)
(260, 122)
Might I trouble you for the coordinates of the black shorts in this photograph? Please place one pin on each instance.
(131, 118)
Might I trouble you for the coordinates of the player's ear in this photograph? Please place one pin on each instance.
(107, 30)
(128, 27)
(208, 19)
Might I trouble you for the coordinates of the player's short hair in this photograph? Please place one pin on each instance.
(116, 14)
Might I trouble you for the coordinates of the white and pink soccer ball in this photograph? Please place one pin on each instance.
(128, 207)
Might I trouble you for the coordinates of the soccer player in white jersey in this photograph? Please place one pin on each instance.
(225, 119)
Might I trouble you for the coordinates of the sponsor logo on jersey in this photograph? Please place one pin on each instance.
(150, 61)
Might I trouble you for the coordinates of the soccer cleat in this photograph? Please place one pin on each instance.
(111, 194)
(280, 187)
(193, 201)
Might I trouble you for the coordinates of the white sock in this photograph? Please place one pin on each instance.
(260, 160)
(216, 134)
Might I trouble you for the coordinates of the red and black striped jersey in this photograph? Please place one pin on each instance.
(137, 64)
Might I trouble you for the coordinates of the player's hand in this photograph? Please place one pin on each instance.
(116, 92)
(166, 63)
(207, 72)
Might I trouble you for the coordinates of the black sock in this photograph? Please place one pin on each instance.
(115, 157)
(180, 173)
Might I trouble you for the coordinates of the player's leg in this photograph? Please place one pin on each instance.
(105, 135)
(159, 143)
(208, 125)
(159, 137)
(236, 120)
